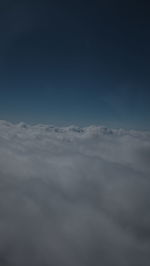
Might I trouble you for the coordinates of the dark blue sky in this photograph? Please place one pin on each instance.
(75, 62)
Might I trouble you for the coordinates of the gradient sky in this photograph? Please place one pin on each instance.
(75, 62)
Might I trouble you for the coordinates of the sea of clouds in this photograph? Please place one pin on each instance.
(72, 196)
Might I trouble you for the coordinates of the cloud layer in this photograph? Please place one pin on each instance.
(74, 196)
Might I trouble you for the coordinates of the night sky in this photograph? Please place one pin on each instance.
(75, 62)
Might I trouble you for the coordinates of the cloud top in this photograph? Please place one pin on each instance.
(74, 196)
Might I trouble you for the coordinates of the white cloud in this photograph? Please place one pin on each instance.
(74, 196)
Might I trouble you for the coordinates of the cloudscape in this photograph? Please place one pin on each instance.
(74, 133)
(74, 196)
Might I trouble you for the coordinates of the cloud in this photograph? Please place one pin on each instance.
(74, 196)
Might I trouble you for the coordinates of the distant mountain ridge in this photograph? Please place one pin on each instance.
(91, 130)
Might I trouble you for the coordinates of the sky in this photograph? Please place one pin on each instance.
(75, 62)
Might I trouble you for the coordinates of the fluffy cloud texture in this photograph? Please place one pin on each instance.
(74, 196)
